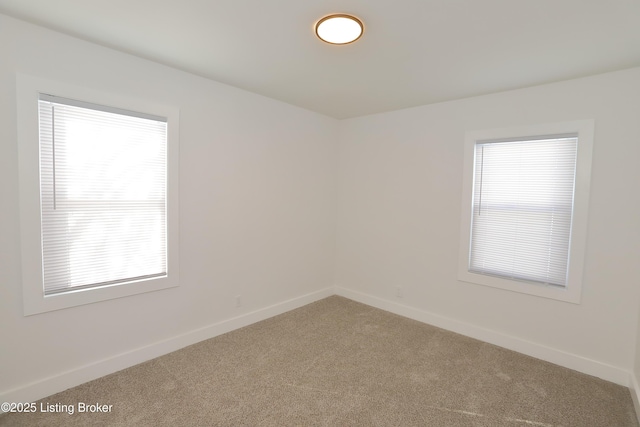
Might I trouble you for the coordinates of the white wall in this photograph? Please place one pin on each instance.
(257, 201)
(400, 177)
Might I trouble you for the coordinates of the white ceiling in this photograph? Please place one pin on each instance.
(413, 52)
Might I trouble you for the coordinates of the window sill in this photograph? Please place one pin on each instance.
(39, 303)
(567, 294)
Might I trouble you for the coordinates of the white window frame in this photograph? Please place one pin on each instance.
(573, 290)
(34, 301)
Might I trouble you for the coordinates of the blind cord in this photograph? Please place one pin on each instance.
(53, 155)
(481, 178)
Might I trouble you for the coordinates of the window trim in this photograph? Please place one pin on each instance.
(34, 301)
(573, 290)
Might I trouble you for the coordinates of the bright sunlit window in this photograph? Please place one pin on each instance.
(525, 207)
(522, 207)
(103, 194)
(98, 195)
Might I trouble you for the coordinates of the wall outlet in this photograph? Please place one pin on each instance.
(238, 301)
(398, 292)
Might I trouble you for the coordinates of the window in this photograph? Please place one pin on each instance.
(104, 200)
(102, 195)
(524, 208)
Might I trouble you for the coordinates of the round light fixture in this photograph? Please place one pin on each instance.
(339, 29)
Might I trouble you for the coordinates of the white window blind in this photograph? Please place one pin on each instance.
(522, 208)
(103, 175)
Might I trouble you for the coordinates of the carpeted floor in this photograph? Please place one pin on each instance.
(338, 363)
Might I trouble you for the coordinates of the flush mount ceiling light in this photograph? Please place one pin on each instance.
(339, 29)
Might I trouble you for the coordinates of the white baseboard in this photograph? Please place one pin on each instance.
(558, 357)
(635, 395)
(60, 382)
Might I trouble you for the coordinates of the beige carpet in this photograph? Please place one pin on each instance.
(338, 363)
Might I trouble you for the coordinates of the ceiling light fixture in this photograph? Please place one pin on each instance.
(339, 29)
